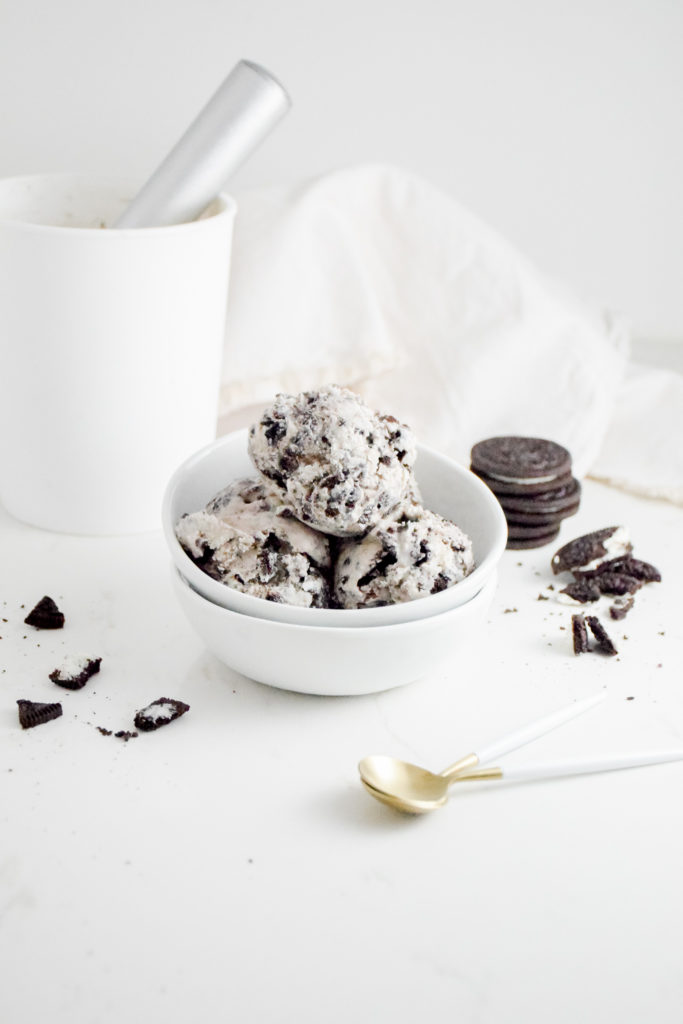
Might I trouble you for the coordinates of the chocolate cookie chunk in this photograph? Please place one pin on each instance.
(604, 643)
(582, 591)
(621, 607)
(75, 671)
(579, 634)
(159, 712)
(625, 565)
(45, 615)
(588, 551)
(32, 713)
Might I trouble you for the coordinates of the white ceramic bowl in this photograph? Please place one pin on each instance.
(447, 488)
(334, 660)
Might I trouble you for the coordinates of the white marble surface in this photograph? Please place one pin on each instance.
(230, 866)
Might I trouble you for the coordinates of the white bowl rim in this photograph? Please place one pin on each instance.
(322, 617)
(469, 607)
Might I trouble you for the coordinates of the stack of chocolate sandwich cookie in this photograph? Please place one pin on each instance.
(532, 479)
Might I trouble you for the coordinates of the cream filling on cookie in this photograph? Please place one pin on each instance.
(618, 544)
(72, 666)
(526, 480)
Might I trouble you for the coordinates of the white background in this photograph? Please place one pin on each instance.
(559, 124)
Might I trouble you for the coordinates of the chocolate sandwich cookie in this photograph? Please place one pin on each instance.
(523, 539)
(539, 518)
(532, 480)
(559, 501)
(518, 488)
(521, 461)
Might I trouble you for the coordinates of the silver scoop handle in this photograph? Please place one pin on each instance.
(237, 118)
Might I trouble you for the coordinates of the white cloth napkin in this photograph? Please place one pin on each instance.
(373, 278)
(642, 451)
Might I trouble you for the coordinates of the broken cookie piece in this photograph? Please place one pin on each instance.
(159, 712)
(32, 713)
(588, 551)
(621, 607)
(75, 671)
(579, 634)
(603, 641)
(45, 615)
(581, 591)
(626, 565)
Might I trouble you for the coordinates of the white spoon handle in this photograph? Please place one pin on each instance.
(246, 107)
(558, 769)
(530, 732)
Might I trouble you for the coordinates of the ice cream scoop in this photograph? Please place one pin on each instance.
(237, 118)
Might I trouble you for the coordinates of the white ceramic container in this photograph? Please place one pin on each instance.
(334, 660)
(110, 347)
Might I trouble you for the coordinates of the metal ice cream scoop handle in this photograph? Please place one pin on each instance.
(237, 118)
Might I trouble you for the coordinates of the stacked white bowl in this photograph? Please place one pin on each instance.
(330, 650)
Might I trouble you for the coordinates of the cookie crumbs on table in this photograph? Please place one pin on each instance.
(603, 566)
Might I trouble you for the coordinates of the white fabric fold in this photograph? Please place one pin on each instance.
(373, 278)
(643, 449)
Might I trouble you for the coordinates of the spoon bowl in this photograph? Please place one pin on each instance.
(398, 804)
(403, 785)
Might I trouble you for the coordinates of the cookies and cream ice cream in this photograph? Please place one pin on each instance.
(248, 539)
(334, 519)
(410, 555)
(339, 466)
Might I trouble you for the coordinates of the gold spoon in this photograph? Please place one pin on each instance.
(415, 790)
(420, 803)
